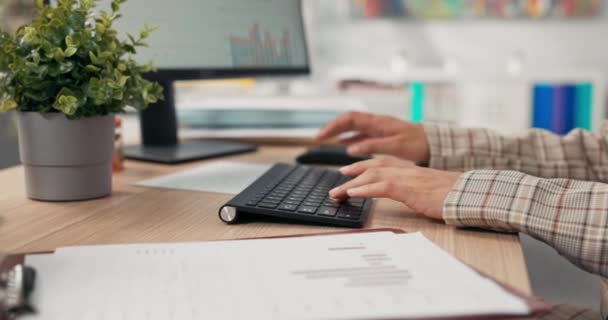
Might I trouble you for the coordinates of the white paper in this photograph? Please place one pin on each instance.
(219, 177)
(358, 276)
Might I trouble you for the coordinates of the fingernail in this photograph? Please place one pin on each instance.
(353, 150)
(345, 169)
(333, 191)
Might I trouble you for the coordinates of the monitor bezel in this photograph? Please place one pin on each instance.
(185, 74)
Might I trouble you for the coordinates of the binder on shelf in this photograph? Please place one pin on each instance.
(558, 114)
(584, 106)
(17, 282)
(418, 94)
(564, 105)
(543, 107)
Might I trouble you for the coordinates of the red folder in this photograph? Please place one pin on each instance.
(537, 306)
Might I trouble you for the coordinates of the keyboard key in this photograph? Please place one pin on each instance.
(307, 209)
(327, 211)
(268, 205)
(358, 203)
(331, 203)
(252, 203)
(349, 216)
(348, 208)
(288, 207)
(349, 211)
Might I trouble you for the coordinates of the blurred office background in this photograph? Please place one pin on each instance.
(465, 62)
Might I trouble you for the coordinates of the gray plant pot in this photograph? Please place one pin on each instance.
(66, 160)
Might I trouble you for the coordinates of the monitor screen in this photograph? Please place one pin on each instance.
(218, 34)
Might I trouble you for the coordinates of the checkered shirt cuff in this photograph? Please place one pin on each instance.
(569, 215)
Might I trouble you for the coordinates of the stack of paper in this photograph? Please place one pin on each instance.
(378, 275)
(219, 177)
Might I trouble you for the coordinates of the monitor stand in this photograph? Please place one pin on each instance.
(160, 141)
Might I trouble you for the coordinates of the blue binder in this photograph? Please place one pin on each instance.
(542, 117)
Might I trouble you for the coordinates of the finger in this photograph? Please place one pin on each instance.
(389, 145)
(382, 162)
(356, 139)
(374, 190)
(358, 168)
(370, 176)
(351, 121)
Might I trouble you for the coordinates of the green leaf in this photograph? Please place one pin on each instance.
(29, 35)
(101, 27)
(66, 67)
(87, 4)
(145, 68)
(39, 4)
(70, 51)
(58, 54)
(94, 59)
(123, 80)
(115, 6)
(66, 103)
(131, 38)
(92, 68)
(119, 95)
(106, 55)
(71, 42)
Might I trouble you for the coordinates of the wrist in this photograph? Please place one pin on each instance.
(423, 157)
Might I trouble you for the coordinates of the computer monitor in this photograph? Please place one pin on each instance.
(209, 39)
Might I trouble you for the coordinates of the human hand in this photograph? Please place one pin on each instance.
(379, 134)
(421, 189)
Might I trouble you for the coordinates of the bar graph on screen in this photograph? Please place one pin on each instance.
(261, 47)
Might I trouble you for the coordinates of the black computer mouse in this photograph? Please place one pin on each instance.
(328, 155)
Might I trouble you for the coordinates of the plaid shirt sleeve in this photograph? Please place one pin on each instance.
(580, 155)
(570, 215)
(531, 184)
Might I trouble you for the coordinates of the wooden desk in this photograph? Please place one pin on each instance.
(135, 214)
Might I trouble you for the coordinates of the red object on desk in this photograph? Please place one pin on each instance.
(118, 159)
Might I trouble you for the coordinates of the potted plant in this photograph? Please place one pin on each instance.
(67, 74)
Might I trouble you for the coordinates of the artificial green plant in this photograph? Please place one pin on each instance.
(70, 60)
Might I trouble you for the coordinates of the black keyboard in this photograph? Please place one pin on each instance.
(298, 192)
